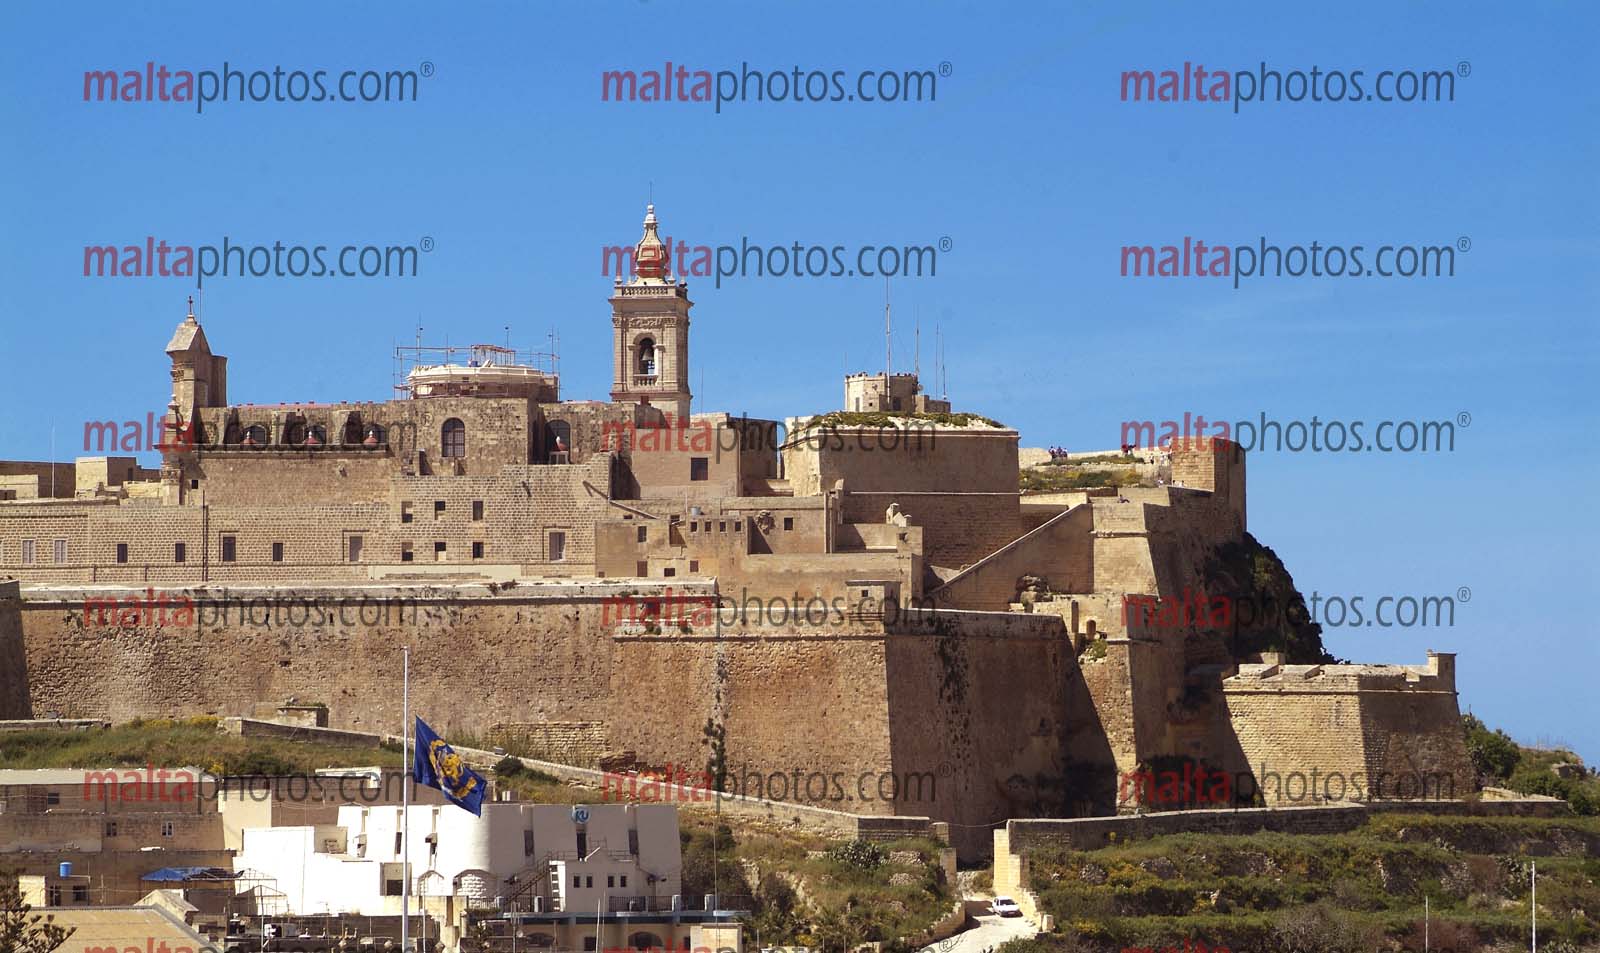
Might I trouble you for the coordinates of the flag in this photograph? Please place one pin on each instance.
(437, 765)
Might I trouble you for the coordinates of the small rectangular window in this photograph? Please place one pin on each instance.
(399, 845)
(641, 568)
(52, 798)
(477, 550)
(80, 893)
(122, 552)
(611, 882)
(230, 548)
(623, 881)
(588, 881)
(166, 828)
(354, 551)
(558, 546)
(694, 565)
(405, 552)
(27, 552)
(438, 552)
(788, 523)
(644, 534)
(111, 828)
(405, 511)
(577, 881)
(61, 550)
(669, 572)
(722, 526)
(180, 552)
(699, 468)
(477, 511)
(694, 526)
(277, 552)
(194, 484)
(527, 843)
(438, 508)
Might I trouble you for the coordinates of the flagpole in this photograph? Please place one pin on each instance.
(405, 800)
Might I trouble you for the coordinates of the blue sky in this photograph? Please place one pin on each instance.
(1027, 161)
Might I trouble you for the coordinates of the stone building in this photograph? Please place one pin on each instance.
(934, 619)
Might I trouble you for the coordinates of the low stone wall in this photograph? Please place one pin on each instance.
(581, 743)
(1089, 833)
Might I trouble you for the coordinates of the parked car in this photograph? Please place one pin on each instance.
(1005, 907)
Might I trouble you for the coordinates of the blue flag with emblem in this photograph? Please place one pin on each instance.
(437, 765)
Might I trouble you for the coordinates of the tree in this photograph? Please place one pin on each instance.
(20, 932)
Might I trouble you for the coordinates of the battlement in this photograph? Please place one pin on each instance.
(1437, 675)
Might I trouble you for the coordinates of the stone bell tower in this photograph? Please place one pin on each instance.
(650, 329)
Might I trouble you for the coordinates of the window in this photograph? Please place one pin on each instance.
(647, 357)
(583, 843)
(405, 511)
(633, 847)
(477, 550)
(624, 881)
(588, 881)
(669, 572)
(393, 888)
(230, 545)
(694, 565)
(577, 881)
(438, 552)
(694, 526)
(122, 552)
(588, 942)
(611, 882)
(194, 484)
(52, 895)
(788, 523)
(80, 893)
(699, 468)
(644, 533)
(166, 828)
(722, 526)
(405, 552)
(399, 844)
(438, 508)
(354, 549)
(27, 551)
(277, 552)
(641, 568)
(453, 438)
(52, 798)
(61, 550)
(255, 436)
(180, 552)
(477, 511)
(111, 828)
(527, 843)
(558, 546)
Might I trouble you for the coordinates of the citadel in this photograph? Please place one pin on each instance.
(515, 523)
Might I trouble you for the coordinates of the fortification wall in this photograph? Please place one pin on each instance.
(1062, 551)
(13, 654)
(840, 699)
(1365, 730)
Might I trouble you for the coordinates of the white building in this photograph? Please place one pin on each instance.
(535, 857)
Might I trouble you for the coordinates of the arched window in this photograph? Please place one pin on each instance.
(255, 436)
(294, 433)
(453, 439)
(316, 436)
(647, 356)
(352, 430)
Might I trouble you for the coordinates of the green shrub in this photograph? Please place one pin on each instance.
(860, 854)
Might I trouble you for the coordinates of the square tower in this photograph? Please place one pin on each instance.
(650, 329)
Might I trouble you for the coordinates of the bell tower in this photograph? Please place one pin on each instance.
(650, 329)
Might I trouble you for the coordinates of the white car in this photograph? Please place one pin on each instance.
(1004, 907)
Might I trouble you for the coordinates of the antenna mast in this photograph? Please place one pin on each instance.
(888, 336)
